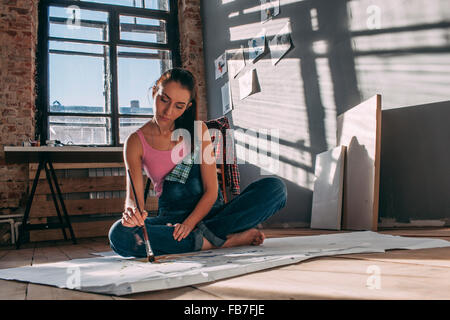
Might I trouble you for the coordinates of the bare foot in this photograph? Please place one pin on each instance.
(253, 237)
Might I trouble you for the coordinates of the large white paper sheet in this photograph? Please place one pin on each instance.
(112, 274)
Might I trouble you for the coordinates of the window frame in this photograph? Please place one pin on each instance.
(114, 41)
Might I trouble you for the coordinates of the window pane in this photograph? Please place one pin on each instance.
(80, 130)
(78, 78)
(142, 29)
(64, 47)
(147, 4)
(75, 23)
(138, 69)
(128, 125)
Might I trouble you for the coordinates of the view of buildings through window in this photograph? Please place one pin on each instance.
(99, 77)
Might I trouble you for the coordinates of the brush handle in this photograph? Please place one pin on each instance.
(134, 191)
(148, 248)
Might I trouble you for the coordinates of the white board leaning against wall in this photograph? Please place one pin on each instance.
(359, 129)
(328, 189)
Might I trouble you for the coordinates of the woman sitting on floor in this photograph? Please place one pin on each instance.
(192, 215)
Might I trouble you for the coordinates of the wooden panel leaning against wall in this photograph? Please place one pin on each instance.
(93, 193)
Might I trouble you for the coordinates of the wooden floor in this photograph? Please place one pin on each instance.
(404, 274)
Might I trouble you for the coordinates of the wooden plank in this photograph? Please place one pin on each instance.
(439, 257)
(61, 166)
(419, 232)
(75, 251)
(360, 130)
(81, 230)
(48, 254)
(88, 184)
(3, 253)
(43, 292)
(66, 154)
(185, 293)
(92, 165)
(32, 172)
(291, 232)
(17, 258)
(12, 290)
(96, 244)
(336, 278)
(86, 206)
(52, 253)
(77, 207)
(93, 244)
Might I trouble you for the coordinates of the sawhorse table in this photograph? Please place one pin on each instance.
(46, 156)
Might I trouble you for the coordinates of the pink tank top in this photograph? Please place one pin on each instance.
(158, 163)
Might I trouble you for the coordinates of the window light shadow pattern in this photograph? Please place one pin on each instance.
(338, 60)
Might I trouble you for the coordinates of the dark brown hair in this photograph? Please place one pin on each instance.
(187, 81)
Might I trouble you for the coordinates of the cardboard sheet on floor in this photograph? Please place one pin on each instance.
(111, 274)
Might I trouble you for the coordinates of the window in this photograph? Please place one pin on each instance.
(97, 60)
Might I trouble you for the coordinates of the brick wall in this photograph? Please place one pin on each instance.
(191, 48)
(18, 39)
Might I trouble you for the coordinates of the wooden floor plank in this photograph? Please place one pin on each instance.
(97, 246)
(418, 232)
(185, 293)
(334, 278)
(291, 232)
(43, 292)
(75, 251)
(48, 254)
(12, 290)
(3, 253)
(439, 257)
(17, 258)
(15, 290)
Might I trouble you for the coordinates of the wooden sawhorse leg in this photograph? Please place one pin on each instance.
(51, 178)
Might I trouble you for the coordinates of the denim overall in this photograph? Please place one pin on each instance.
(260, 200)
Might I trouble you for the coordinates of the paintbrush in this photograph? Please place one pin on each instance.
(150, 256)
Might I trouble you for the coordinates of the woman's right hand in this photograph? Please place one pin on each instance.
(132, 218)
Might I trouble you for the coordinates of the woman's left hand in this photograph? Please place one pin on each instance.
(181, 231)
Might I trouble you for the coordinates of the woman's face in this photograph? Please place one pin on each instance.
(170, 102)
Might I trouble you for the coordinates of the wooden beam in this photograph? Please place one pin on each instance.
(81, 230)
(41, 208)
(73, 185)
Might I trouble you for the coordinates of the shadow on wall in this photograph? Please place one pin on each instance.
(344, 52)
(300, 201)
